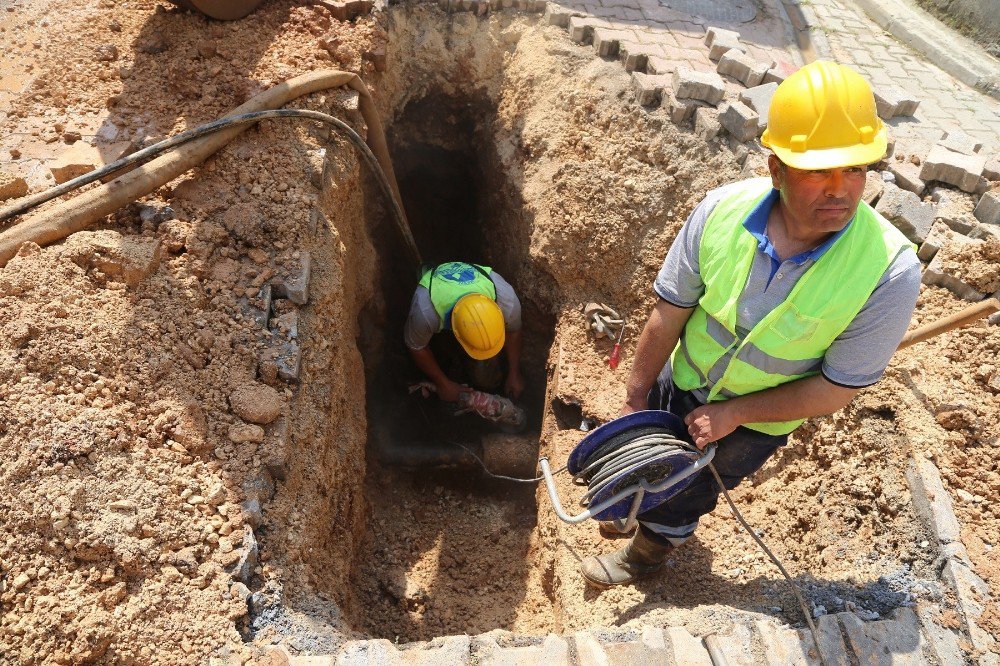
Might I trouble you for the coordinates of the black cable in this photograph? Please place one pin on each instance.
(146, 154)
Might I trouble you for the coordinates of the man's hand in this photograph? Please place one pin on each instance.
(448, 390)
(632, 406)
(710, 423)
(514, 385)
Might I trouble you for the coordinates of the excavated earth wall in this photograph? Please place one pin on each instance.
(175, 491)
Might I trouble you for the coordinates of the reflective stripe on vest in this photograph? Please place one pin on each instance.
(790, 341)
(450, 281)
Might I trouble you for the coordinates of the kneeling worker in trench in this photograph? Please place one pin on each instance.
(779, 300)
(483, 313)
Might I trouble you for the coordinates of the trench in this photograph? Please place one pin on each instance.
(450, 545)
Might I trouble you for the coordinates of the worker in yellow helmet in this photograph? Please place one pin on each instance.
(483, 313)
(779, 300)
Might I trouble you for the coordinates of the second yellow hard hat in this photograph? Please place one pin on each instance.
(823, 116)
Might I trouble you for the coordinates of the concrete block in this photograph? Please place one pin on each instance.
(628, 648)
(973, 596)
(831, 641)
(605, 41)
(658, 65)
(955, 209)
(783, 645)
(992, 169)
(293, 281)
(12, 186)
(680, 110)
(581, 28)
(706, 123)
(558, 15)
(988, 209)
(758, 98)
(891, 101)
(689, 84)
(742, 67)
(490, 650)
(960, 142)
(874, 185)
(633, 56)
(739, 120)
(779, 72)
(649, 87)
(884, 642)
(281, 360)
(720, 41)
(685, 649)
(937, 273)
(938, 237)
(906, 212)
(962, 171)
(942, 642)
(907, 176)
(735, 647)
(931, 501)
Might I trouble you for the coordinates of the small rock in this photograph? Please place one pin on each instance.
(258, 403)
(12, 186)
(241, 433)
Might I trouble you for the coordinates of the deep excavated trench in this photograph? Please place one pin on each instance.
(520, 154)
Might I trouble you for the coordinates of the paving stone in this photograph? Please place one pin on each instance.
(605, 41)
(706, 123)
(742, 67)
(943, 643)
(960, 142)
(658, 65)
(972, 593)
(962, 171)
(784, 648)
(892, 101)
(680, 110)
(12, 186)
(558, 15)
(937, 274)
(633, 56)
(685, 649)
(720, 41)
(739, 120)
(488, 651)
(887, 642)
(704, 86)
(758, 98)
(779, 72)
(649, 87)
(629, 649)
(955, 208)
(992, 169)
(988, 209)
(735, 648)
(293, 282)
(581, 28)
(874, 185)
(938, 237)
(831, 642)
(907, 176)
(906, 212)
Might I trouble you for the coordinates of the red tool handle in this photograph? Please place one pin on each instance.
(615, 356)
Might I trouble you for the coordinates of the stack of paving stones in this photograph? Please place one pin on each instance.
(844, 639)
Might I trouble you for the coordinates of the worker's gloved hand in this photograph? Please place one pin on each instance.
(449, 390)
(710, 423)
(514, 386)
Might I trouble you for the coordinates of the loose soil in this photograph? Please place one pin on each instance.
(132, 384)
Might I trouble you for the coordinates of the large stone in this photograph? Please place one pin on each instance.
(257, 403)
(988, 209)
(12, 186)
(960, 142)
(739, 120)
(649, 87)
(706, 123)
(907, 212)
(908, 176)
(720, 42)
(758, 98)
(962, 171)
(704, 86)
(742, 67)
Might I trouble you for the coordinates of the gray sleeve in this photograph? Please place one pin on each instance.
(509, 304)
(422, 322)
(859, 356)
(679, 280)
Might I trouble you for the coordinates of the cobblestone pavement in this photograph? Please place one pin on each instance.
(852, 38)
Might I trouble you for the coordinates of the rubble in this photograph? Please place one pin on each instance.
(906, 212)
(962, 171)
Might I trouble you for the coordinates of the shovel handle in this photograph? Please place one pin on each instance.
(961, 318)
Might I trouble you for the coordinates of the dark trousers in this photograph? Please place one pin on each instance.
(739, 454)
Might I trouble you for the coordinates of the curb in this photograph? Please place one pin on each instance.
(932, 504)
(939, 44)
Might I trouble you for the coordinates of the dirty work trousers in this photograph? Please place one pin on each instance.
(739, 454)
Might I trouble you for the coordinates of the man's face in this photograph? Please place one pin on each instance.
(823, 200)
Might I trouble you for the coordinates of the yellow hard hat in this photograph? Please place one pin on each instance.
(824, 117)
(478, 325)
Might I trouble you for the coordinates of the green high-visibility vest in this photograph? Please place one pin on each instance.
(449, 282)
(790, 341)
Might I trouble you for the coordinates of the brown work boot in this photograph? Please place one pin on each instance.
(608, 529)
(640, 557)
